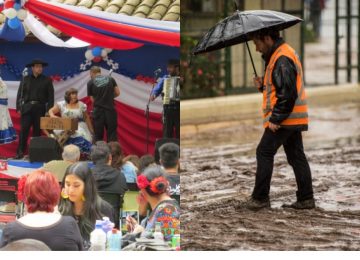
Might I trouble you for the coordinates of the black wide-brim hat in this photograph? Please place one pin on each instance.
(37, 61)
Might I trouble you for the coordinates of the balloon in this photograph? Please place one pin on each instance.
(108, 50)
(17, 6)
(9, 4)
(88, 55)
(22, 14)
(97, 59)
(96, 51)
(14, 23)
(10, 13)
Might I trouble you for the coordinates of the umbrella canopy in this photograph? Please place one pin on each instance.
(237, 28)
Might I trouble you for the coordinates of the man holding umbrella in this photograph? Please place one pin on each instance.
(284, 100)
(34, 97)
(284, 117)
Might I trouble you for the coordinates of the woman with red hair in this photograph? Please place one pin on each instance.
(154, 189)
(40, 191)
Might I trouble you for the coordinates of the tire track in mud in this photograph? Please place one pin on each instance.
(216, 180)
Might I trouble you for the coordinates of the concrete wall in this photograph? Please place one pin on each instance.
(210, 110)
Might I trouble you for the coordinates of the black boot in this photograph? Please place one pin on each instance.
(304, 204)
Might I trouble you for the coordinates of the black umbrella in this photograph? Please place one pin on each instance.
(237, 28)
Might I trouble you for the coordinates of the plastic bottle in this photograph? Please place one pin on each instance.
(98, 237)
(107, 225)
(114, 240)
(157, 233)
(175, 242)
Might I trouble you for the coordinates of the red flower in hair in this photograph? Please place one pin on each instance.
(158, 185)
(21, 187)
(142, 182)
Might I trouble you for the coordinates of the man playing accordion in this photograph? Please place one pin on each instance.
(169, 87)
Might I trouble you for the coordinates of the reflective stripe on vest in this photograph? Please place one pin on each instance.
(299, 115)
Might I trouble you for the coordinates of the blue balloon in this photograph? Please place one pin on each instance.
(96, 51)
(17, 6)
(14, 23)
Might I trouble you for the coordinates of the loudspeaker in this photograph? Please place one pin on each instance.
(44, 149)
(160, 142)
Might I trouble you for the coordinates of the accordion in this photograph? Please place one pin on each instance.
(171, 90)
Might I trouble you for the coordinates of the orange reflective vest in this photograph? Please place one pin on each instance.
(299, 114)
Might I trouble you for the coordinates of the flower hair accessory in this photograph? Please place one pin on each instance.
(142, 182)
(21, 188)
(158, 185)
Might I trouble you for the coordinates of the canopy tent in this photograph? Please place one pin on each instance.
(133, 62)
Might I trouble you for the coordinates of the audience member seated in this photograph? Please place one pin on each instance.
(26, 245)
(127, 168)
(146, 161)
(71, 107)
(169, 160)
(110, 182)
(80, 199)
(130, 168)
(70, 155)
(41, 192)
(154, 190)
(117, 155)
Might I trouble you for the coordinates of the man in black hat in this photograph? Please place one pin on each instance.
(34, 97)
(171, 111)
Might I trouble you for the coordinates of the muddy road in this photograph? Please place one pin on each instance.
(218, 173)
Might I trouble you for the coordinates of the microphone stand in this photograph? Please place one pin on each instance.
(147, 114)
(24, 74)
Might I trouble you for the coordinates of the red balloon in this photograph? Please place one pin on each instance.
(9, 4)
(97, 59)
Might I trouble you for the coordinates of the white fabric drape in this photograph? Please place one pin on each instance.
(47, 37)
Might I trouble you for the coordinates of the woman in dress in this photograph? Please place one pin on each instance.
(165, 210)
(7, 131)
(40, 191)
(71, 107)
(80, 199)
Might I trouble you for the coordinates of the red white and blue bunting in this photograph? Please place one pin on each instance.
(94, 27)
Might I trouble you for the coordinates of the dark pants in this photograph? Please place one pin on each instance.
(104, 118)
(30, 118)
(294, 150)
(171, 121)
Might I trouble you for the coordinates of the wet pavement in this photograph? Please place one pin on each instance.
(218, 173)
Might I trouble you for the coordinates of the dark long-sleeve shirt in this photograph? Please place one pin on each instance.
(34, 88)
(109, 179)
(63, 235)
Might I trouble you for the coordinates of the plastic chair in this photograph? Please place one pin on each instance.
(130, 207)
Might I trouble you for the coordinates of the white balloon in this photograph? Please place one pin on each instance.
(10, 13)
(103, 53)
(22, 14)
(108, 50)
(89, 55)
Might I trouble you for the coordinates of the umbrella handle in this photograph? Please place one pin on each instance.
(252, 61)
